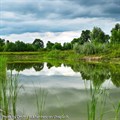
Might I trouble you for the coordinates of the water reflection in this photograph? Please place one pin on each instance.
(22, 66)
(59, 89)
(97, 73)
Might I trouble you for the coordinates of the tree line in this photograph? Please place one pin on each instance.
(94, 37)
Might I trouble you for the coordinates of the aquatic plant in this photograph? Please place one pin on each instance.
(98, 98)
(40, 101)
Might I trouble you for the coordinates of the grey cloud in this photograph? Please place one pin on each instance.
(63, 8)
(53, 15)
(95, 2)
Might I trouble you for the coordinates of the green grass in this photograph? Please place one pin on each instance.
(97, 102)
(116, 109)
(8, 91)
(108, 52)
(19, 53)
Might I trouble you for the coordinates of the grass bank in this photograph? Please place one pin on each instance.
(68, 55)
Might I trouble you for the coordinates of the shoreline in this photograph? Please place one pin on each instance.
(63, 55)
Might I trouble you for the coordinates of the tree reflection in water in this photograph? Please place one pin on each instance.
(97, 73)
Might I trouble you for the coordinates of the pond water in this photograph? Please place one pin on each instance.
(66, 91)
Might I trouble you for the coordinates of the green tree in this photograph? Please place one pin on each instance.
(115, 34)
(49, 45)
(74, 42)
(57, 46)
(85, 36)
(20, 46)
(98, 36)
(2, 43)
(30, 47)
(38, 43)
(67, 46)
(10, 47)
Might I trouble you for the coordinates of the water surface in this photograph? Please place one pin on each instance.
(65, 89)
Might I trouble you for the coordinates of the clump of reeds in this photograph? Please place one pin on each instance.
(98, 98)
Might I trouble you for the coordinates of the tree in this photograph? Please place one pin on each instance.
(57, 46)
(2, 43)
(49, 45)
(85, 36)
(30, 47)
(98, 36)
(38, 43)
(75, 40)
(20, 46)
(115, 34)
(67, 46)
(10, 47)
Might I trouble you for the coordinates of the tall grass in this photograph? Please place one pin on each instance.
(9, 97)
(61, 107)
(40, 101)
(116, 109)
(13, 92)
(8, 91)
(97, 101)
(96, 106)
(3, 87)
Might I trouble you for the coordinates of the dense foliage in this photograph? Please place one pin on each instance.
(98, 42)
(89, 42)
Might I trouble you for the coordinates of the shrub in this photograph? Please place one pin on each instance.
(90, 48)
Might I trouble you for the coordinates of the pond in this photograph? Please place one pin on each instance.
(79, 91)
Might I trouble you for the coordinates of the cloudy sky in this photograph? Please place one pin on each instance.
(55, 20)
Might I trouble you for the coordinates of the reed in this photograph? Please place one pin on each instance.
(116, 109)
(62, 110)
(98, 97)
(40, 101)
(8, 91)
(13, 93)
(3, 88)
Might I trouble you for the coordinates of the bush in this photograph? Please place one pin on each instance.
(90, 48)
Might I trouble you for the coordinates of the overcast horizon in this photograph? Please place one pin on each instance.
(55, 20)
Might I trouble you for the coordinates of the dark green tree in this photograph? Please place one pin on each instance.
(115, 34)
(85, 36)
(30, 47)
(20, 46)
(10, 47)
(67, 46)
(38, 43)
(75, 40)
(49, 45)
(98, 36)
(2, 43)
(57, 46)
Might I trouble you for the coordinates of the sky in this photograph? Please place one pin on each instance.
(55, 20)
